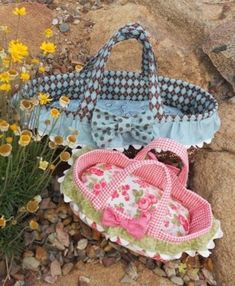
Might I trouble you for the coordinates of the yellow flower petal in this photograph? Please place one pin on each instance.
(58, 140)
(24, 140)
(26, 105)
(17, 50)
(5, 87)
(44, 98)
(19, 11)
(4, 125)
(32, 206)
(5, 150)
(65, 156)
(24, 76)
(48, 48)
(2, 222)
(5, 77)
(64, 100)
(33, 224)
(55, 113)
(41, 69)
(48, 33)
(9, 140)
(43, 165)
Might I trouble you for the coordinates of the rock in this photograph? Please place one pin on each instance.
(64, 27)
(108, 261)
(62, 235)
(131, 271)
(175, 52)
(50, 279)
(220, 47)
(55, 268)
(41, 254)
(55, 22)
(82, 244)
(51, 215)
(126, 279)
(193, 274)
(225, 137)
(214, 179)
(83, 281)
(67, 268)
(169, 271)
(30, 263)
(32, 25)
(177, 280)
(209, 277)
(159, 272)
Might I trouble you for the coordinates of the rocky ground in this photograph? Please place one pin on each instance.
(193, 40)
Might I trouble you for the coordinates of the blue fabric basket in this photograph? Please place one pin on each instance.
(113, 109)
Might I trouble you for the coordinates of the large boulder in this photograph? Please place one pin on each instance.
(220, 47)
(31, 26)
(214, 179)
(225, 137)
(173, 47)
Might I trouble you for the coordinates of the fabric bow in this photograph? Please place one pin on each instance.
(106, 126)
(137, 227)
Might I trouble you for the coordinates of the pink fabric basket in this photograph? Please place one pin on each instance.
(157, 174)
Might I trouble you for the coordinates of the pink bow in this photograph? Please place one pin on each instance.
(137, 227)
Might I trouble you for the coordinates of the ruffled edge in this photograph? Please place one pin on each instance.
(205, 251)
(133, 247)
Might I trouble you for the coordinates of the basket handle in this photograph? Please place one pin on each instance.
(95, 69)
(167, 144)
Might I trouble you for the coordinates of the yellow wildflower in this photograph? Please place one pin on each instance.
(72, 141)
(24, 76)
(48, 33)
(65, 156)
(52, 145)
(35, 61)
(58, 140)
(19, 11)
(2, 221)
(44, 98)
(43, 164)
(48, 48)
(5, 87)
(33, 224)
(14, 127)
(41, 69)
(26, 104)
(55, 113)
(78, 67)
(64, 101)
(24, 140)
(9, 140)
(26, 132)
(6, 61)
(17, 50)
(4, 29)
(13, 74)
(52, 167)
(32, 206)
(4, 125)
(14, 222)
(5, 150)
(5, 77)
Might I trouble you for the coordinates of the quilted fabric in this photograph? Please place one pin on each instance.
(195, 121)
(136, 198)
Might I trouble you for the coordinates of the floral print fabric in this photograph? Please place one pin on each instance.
(136, 198)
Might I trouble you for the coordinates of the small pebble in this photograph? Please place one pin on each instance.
(64, 27)
(55, 22)
(159, 272)
(82, 244)
(67, 268)
(169, 271)
(177, 280)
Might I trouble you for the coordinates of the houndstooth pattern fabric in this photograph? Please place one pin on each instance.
(94, 83)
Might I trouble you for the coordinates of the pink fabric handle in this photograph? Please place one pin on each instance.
(166, 144)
